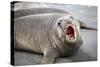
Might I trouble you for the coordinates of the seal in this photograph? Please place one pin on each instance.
(53, 34)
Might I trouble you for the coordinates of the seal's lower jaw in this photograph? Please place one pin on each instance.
(70, 33)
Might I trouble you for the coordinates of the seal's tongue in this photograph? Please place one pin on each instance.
(70, 32)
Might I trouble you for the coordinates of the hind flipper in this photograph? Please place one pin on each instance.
(84, 26)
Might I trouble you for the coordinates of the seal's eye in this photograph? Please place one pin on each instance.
(72, 17)
(59, 22)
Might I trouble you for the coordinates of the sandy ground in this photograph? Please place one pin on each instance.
(87, 52)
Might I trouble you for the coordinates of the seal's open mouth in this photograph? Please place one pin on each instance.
(70, 32)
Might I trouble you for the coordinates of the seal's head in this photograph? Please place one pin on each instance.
(68, 28)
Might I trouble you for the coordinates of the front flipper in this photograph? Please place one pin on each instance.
(84, 26)
(49, 56)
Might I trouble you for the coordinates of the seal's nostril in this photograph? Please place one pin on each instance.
(69, 22)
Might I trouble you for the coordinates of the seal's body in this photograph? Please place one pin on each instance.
(34, 11)
(53, 34)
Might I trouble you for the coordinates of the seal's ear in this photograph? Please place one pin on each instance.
(84, 26)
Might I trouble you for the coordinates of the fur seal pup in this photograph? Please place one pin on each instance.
(53, 34)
